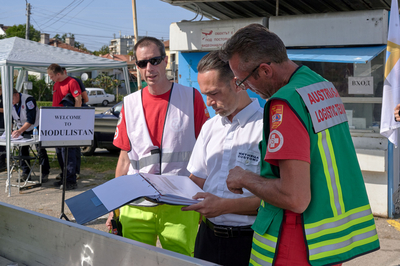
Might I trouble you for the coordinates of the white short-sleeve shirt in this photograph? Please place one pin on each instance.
(221, 146)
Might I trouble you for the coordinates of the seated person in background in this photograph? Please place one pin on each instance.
(25, 114)
(230, 138)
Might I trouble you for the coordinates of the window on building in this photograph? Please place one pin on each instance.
(360, 87)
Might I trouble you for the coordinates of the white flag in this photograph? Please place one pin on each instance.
(391, 87)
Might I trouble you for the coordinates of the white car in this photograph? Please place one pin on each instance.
(99, 96)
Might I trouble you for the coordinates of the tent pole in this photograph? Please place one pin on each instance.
(127, 81)
(20, 80)
(7, 84)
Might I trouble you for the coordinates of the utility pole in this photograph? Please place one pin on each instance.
(135, 30)
(28, 17)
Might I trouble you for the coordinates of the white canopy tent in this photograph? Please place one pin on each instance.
(25, 55)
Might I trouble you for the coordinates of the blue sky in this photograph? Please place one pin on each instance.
(94, 22)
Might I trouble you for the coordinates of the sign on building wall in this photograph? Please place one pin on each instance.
(215, 37)
(361, 85)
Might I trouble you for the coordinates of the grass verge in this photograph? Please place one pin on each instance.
(95, 165)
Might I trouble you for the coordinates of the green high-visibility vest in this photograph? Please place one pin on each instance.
(338, 223)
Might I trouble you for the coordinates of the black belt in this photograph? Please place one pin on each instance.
(228, 231)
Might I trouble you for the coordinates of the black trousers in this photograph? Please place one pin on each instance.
(71, 163)
(78, 160)
(225, 251)
(2, 156)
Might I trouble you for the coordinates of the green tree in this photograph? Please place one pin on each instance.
(107, 82)
(57, 37)
(62, 38)
(82, 47)
(89, 83)
(103, 50)
(19, 31)
(41, 91)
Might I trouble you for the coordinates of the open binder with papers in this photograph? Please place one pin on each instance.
(168, 189)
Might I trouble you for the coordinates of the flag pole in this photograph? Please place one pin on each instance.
(390, 179)
(391, 97)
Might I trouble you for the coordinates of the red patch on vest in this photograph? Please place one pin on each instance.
(276, 116)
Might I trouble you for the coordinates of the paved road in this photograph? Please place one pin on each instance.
(47, 198)
(389, 253)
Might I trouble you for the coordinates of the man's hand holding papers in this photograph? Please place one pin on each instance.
(19, 137)
(211, 206)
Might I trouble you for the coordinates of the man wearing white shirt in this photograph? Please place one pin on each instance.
(227, 140)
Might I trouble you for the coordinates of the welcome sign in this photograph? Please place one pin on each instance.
(66, 126)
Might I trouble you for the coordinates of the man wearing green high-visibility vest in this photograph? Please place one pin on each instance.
(314, 208)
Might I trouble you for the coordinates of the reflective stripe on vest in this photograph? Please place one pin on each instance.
(182, 156)
(257, 259)
(344, 244)
(331, 172)
(338, 224)
(265, 242)
(178, 134)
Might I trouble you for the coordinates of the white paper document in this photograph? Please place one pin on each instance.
(123, 189)
(93, 203)
(175, 190)
(3, 136)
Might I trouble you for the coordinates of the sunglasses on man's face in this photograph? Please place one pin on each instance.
(154, 61)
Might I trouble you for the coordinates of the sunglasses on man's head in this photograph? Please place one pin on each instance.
(154, 61)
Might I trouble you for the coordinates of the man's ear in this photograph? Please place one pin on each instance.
(265, 69)
(235, 88)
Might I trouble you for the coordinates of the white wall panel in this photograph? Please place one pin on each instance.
(186, 36)
(332, 29)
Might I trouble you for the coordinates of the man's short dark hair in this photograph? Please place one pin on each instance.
(55, 69)
(212, 61)
(146, 41)
(15, 91)
(254, 43)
